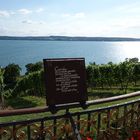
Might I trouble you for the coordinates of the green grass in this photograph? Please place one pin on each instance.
(25, 102)
(42, 103)
(32, 101)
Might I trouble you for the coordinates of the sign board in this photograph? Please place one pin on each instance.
(65, 80)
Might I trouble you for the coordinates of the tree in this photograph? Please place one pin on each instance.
(11, 73)
(34, 67)
(1, 88)
(31, 84)
(124, 74)
(92, 71)
(108, 74)
(133, 60)
(136, 73)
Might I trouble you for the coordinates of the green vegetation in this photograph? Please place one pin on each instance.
(103, 80)
(11, 73)
(34, 67)
(1, 88)
(25, 101)
(121, 76)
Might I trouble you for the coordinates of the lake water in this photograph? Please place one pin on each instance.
(23, 52)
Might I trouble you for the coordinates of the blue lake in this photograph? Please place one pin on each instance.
(23, 52)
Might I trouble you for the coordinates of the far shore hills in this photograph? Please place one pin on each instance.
(68, 38)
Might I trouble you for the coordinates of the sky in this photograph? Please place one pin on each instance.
(108, 18)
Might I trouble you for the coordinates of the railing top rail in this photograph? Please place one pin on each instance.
(30, 121)
(66, 106)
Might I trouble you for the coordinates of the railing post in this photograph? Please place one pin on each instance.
(88, 125)
(78, 120)
(138, 118)
(54, 128)
(132, 116)
(74, 126)
(124, 135)
(42, 130)
(14, 132)
(117, 116)
(28, 132)
(108, 118)
(98, 124)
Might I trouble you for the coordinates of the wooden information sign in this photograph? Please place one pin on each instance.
(65, 80)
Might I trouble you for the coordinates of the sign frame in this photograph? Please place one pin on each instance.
(65, 81)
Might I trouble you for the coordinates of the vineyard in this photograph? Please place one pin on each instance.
(101, 79)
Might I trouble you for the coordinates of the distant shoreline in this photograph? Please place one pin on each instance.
(68, 38)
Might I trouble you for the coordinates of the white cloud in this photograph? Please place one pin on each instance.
(39, 10)
(129, 8)
(79, 15)
(3, 31)
(4, 14)
(75, 15)
(42, 22)
(27, 11)
(24, 11)
(27, 21)
(66, 15)
(126, 22)
(12, 13)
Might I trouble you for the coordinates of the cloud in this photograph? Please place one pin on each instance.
(27, 11)
(27, 21)
(129, 8)
(3, 31)
(24, 11)
(75, 15)
(39, 10)
(4, 14)
(12, 13)
(79, 15)
(129, 22)
(66, 15)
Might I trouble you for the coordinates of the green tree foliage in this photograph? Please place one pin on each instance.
(31, 84)
(106, 72)
(132, 60)
(114, 75)
(1, 79)
(11, 73)
(34, 67)
(110, 75)
(1, 88)
(136, 73)
(125, 73)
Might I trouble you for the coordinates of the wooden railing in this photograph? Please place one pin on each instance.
(114, 118)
